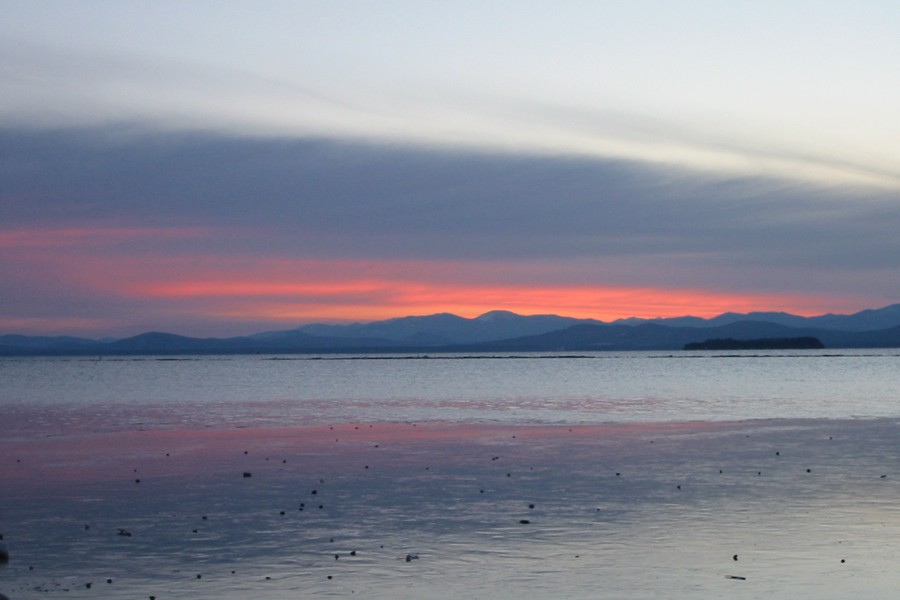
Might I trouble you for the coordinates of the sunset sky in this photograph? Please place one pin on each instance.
(221, 168)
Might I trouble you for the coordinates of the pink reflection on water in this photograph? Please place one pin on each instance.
(97, 457)
(690, 496)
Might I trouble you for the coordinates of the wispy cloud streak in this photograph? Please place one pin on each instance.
(184, 229)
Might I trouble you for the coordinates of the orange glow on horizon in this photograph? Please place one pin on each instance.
(375, 299)
(93, 279)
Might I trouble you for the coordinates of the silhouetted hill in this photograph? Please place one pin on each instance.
(647, 336)
(881, 338)
(493, 331)
(866, 320)
(441, 329)
(167, 343)
(20, 344)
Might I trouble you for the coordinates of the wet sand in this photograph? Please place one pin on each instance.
(764, 508)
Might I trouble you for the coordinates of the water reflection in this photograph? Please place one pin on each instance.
(615, 511)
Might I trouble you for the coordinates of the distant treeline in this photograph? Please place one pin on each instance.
(793, 343)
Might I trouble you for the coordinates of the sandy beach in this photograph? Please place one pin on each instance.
(766, 508)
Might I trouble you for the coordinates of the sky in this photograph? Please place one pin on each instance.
(214, 169)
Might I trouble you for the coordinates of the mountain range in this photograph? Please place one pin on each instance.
(495, 331)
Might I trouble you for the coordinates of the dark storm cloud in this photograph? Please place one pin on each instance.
(337, 199)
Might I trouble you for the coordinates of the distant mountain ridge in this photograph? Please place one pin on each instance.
(442, 328)
(493, 331)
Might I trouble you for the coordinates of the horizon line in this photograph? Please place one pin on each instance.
(348, 322)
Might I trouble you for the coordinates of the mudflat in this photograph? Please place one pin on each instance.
(760, 508)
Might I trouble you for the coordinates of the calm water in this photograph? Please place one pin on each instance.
(628, 476)
(147, 392)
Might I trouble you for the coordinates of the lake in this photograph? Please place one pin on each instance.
(632, 475)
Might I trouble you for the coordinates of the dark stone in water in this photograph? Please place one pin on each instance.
(246, 474)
